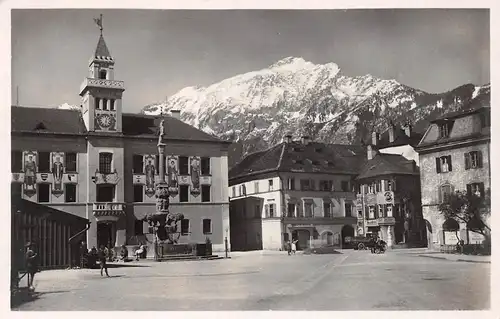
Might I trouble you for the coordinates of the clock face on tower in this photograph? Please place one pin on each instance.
(106, 121)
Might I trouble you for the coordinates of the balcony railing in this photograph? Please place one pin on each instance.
(112, 209)
(102, 83)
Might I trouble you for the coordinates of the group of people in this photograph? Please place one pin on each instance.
(139, 253)
(291, 247)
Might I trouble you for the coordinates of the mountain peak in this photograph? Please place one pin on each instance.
(295, 62)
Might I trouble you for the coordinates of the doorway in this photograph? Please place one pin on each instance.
(105, 234)
(303, 236)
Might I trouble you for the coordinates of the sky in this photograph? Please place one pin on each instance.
(159, 52)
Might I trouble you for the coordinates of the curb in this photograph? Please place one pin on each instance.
(461, 260)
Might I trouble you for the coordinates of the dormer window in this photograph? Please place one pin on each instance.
(444, 129)
(102, 74)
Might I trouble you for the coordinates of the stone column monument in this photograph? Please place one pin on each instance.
(164, 222)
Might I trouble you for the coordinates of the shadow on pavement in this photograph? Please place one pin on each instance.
(124, 265)
(23, 296)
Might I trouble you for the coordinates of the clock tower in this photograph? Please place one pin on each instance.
(101, 93)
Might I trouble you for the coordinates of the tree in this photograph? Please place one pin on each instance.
(469, 208)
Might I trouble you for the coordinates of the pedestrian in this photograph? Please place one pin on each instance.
(289, 247)
(139, 252)
(31, 258)
(102, 260)
(294, 246)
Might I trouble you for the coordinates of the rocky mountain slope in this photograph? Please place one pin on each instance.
(294, 96)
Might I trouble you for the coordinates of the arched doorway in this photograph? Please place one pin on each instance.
(303, 236)
(347, 231)
(327, 238)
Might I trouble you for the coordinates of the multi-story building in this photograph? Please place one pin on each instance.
(388, 199)
(102, 164)
(454, 155)
(294, 190)
(388, 186)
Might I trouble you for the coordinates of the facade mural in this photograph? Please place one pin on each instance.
(149, 168)
(195, 176)
(58, 173)
(29, 173)
(172, 179)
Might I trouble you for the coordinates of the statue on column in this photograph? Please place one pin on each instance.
(162, 131)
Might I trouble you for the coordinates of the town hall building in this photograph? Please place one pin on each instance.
(102, 164)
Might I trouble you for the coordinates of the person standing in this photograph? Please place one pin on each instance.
(294, 246)
(31, 264)
(101, 255)
(289, 247)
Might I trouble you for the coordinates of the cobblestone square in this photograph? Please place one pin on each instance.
(353, 280)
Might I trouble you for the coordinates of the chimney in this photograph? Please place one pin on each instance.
(305, 139)
(375, 138)
(407, 128)
(175, 114)
(370, 152)
(287, 138)
(391, 132)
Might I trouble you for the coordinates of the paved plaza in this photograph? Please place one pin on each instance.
(353, 280)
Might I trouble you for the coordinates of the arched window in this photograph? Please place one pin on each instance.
(97, 103)
(105, 104)
(105, 160)
(451, 225)
(111, 105)
(102, 74)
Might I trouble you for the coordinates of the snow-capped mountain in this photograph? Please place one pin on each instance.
(299, 97)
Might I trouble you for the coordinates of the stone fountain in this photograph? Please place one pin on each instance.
(163, 222)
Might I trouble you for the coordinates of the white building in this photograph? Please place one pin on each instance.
(294, 190)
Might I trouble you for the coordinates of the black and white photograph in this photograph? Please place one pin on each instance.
(288, 159)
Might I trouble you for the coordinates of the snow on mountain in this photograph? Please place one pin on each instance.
(299, 97)
(67, 106)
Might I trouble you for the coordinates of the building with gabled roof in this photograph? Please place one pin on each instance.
(319, 194)
(296, 190)
(101, 164)
(388, 199)
(454, 156)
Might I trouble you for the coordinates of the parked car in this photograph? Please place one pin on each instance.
(360, 242)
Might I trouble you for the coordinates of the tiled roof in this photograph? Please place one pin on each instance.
(457, 114)
(387, 164)
(147, 126)
(400, 138)
(297, 157)
(101, 51)
(52, 120)
(258, 162)
(45, 120)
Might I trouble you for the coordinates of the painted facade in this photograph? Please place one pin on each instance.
(101, 164)
(454, 155)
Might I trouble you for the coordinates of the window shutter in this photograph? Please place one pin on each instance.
(479, 159)
(469, 189)
(449, 161)
(467, 160)
(481, 189)
(438, 165)
(267, 210)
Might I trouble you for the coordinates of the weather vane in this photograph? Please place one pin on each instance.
(98, 21)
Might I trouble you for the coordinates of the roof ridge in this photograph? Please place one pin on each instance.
(281, 156)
